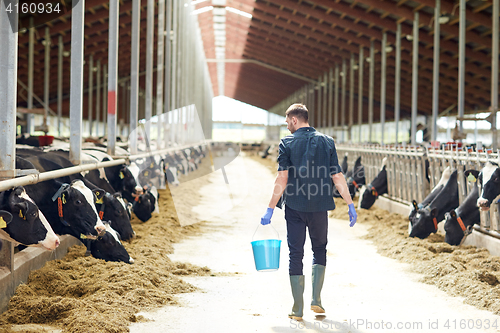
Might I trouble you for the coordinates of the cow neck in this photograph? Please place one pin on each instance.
(103, 206)
(60, 203)
(373, 189)
(353, 182)
(461, 223)
(434, 219)
(466, 230)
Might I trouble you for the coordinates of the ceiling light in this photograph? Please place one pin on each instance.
(443, 19)
(388, 49)
(195, 2)
(219, 11)
(202, 10)
(66, 53)
(368, 59)
(355, 67)
(409, 37)
(341, 73)
(239, 12)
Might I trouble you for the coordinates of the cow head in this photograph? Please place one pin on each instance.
(116, 212)
(456, 230)
(368, 195)
(109, 247)
(489, 178)
(24, 222)
(128, 181)
(78, 209)
(425, 223)
(145, 204)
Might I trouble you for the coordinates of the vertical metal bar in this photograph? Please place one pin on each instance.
(461, 62)
(168, 16)
(318, 108)
(134, 75)
(343, 110)
(325, 99)
(104, 97)
(98, 98)
(8, 91)
(31, 57)
(435, 69)
(414, 82)
(91, 91)
(46, 76)
(360, 90)
(114, 18)
(76, 95)
(159, 72)
(371, 91)
(397, 84)
(175, 28)
(494, 71)
(149, 65)
(351, 96)
(383, 69)
(59, 84)
(330, 100)
(336, 98)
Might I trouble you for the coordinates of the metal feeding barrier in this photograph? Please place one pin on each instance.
(409, 179)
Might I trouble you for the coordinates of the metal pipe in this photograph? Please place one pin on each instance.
(168, 16)
(134, 75)
(98, 98)
(8, 91)
(435, 69)
(91, 90)
(149, 66)
(175, 28)
(414, 82)
(76, 95)
(114, 20)
(336, 100)
(397, 84)
(159, 72)
(31, 55)
(343, 110)
(318, 108)
(325, 99)
(383, 70)
(59, 84)
(371, 89)
(104, 97)
(461, 62)
(494, 71)
(330, 100)
(351, 96)
(46, 76)
(360, 90)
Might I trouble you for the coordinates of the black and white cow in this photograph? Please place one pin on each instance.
(489, 178)
(356, 177)
(427, 218)
(378, 186)
(145, 200)
(23, 222)
(108, 247)
(459, 221)
(170, 170)
(428, 199)
(343, 165)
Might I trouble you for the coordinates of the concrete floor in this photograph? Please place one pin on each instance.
(363, 291)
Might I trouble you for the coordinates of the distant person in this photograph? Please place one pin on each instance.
(307, 170)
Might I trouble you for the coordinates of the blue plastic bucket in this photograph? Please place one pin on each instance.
(266, 254)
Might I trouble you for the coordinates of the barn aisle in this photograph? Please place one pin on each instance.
(363, 291)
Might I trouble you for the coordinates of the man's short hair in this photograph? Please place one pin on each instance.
(298, 110)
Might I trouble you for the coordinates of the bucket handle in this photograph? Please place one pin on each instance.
(276, 231)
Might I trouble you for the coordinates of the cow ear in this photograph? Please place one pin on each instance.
(99, 195)
(414, 204)
(471, 175)
(453, 214)
(117, 195)
(434, 212)
(5, 218)
(22, 208)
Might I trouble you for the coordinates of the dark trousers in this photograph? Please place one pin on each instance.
(296, 223)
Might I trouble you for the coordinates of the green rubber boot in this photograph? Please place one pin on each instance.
(318, 276)
(297, 283)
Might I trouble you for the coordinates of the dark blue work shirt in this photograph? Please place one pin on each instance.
(311, 159)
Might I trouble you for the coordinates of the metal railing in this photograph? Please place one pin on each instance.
(407, 173)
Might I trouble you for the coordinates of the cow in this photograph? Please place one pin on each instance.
(459, 221)
(109, 247)
(378, 186)
(356, 177)
(170, 170)
(343, 165)
(435, 191)
(427, 218)
(489, 178)
(23, 222)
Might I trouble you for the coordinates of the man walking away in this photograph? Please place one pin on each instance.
(307, 170)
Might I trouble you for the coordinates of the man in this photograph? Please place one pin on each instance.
(307, 169)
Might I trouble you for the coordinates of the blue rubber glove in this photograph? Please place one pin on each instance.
(266, 219)
(353, 216)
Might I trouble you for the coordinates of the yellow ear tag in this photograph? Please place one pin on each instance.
(146, 173)
(99, 201)
(63, 199)
(121, 175)
(3, 224)
(82, 236)
(152, 165)
(471, 178)
(21, 215)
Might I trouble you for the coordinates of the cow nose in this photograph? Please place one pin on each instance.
(100, 229)
(57, 242)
